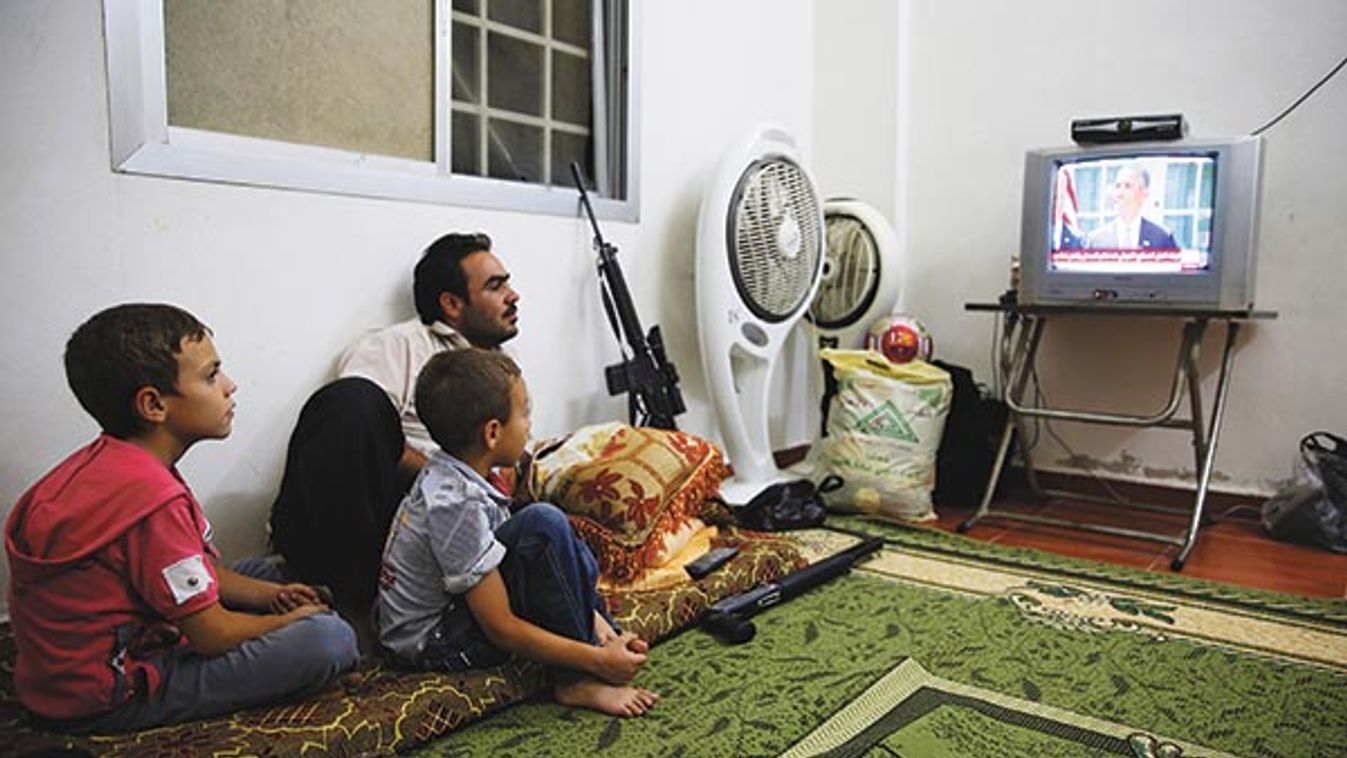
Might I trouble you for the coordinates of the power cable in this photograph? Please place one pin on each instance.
(1301, 99)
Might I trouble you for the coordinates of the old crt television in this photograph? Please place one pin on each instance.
(1145, 224)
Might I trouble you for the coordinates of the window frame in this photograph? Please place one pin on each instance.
(143, 142)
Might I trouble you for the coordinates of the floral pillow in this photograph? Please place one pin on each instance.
(631, 492)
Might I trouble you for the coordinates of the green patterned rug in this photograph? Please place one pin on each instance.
(942, 646)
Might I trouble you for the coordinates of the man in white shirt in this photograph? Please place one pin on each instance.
(1129, 230)
(358, 442)
(463, 297)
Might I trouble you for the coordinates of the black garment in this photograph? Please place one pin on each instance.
(340, 490)
(968, 445)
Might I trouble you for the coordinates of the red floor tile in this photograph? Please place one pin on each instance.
(1231, 548)
(1075, 543)
(1264, 563)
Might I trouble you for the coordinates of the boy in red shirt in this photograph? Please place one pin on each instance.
(121, 618)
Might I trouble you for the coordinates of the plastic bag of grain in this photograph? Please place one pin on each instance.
(881, 433)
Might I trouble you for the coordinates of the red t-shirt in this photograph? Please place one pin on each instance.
(106, 551)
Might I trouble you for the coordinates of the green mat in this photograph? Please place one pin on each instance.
(945, 647)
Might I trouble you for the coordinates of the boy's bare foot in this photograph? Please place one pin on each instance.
(606, 698)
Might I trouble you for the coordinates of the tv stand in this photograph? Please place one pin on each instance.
(1022, 336)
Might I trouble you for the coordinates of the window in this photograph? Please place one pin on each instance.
(1189, 189)
(465, 102)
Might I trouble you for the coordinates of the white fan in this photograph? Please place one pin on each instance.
(862, 277)
(759, 260)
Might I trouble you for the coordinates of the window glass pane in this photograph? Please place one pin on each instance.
(1204, 232)
(467, 63)
(514, 75)
(466, 6)
(1087, 188)
(1208, 185)
(1182, 228)
(465, 144)
(566, 148)
(570, 89)
(570, 21)
(515, 151)
(290, 70)
(1180, 185)
(521, 14)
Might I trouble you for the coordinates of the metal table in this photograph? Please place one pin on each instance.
(1024, 333)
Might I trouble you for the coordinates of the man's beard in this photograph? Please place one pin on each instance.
(487, 332)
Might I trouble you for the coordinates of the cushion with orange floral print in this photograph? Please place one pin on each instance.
(629, 490)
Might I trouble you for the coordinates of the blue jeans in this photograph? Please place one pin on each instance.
(550, 578)
(295, 660)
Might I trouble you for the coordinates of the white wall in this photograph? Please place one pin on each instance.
(989, 80)
(856, 108)
(286, 279)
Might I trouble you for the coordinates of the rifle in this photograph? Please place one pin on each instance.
(648, 377)
(728, 619)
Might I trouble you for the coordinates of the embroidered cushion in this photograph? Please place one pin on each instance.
(631, 491)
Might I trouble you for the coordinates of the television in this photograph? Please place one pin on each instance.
(1170, 225)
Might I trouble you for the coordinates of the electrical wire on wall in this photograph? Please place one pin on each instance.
(1300, 100)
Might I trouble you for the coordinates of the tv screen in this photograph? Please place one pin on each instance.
(1143, 224)
(1146, 215)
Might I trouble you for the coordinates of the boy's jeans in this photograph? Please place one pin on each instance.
(550, 577)
(297, 659)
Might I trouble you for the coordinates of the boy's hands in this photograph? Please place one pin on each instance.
(288, 597)
(303, 611)
(620, 658)
(603, 632)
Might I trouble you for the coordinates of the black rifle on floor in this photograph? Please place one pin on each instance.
(648, 377)
(728, 619)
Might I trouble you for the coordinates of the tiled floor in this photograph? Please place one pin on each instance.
(1234, 548)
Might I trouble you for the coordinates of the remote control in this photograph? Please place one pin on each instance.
(710, 561)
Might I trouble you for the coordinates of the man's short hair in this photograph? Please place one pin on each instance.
(440, 270)
(460, 390)
(121, 349)
(1142, 173)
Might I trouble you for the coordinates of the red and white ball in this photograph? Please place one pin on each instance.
(900, 338)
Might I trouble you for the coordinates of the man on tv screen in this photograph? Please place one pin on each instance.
(1129, 230)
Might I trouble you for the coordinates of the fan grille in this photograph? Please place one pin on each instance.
(850, 273)
(775, 242)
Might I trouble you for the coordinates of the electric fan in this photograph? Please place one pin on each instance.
(861, 278)
(759, 258)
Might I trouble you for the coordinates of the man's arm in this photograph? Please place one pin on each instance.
(386, 358)
(616, 662)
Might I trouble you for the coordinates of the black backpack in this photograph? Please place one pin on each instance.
(1312, 509)
(968, 446)
(796, 504)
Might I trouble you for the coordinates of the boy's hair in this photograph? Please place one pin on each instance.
(460, 390)
(440, 270)
(121, 349)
